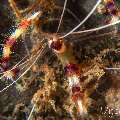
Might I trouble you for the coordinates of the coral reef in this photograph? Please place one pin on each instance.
(61, 77)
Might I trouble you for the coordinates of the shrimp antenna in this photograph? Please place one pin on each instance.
(97, 28)
(39, 54)
(65, 3)
(85, 19)
(31, 112)
(112, 68)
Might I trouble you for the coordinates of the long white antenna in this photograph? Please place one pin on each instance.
(65, 3)
(86, 18)
(98, 28)
(112, 68)
(31, 112)
(40, 51)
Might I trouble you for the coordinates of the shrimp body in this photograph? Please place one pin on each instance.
(72, 71)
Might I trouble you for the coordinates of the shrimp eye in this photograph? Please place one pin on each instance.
(57, 45)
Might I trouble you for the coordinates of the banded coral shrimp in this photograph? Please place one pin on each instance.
(42, 95)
